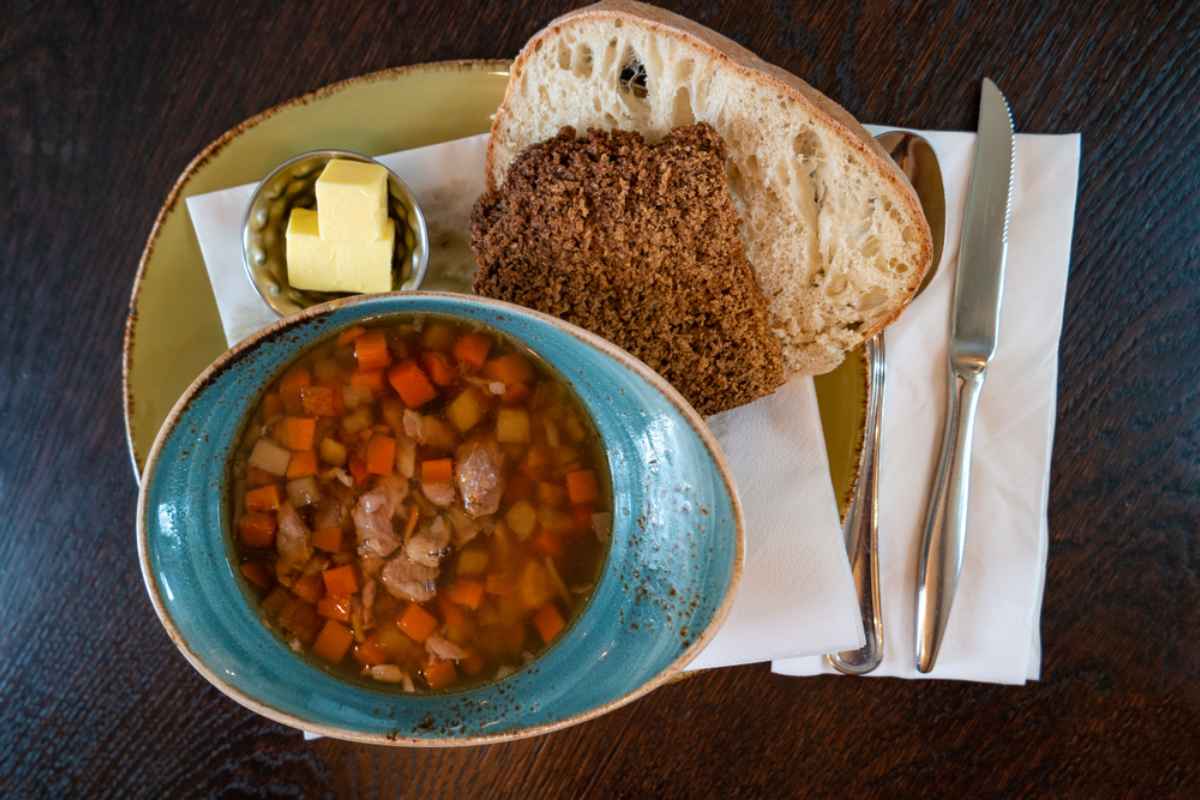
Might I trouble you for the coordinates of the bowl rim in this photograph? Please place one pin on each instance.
(690, 415)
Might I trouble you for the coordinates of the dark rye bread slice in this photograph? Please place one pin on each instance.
(640, 245)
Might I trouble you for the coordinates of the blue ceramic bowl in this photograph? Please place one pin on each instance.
(674, 563)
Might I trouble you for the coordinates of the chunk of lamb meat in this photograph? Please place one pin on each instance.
(428, 546)
(444, 649)
(373, 517)
(293, 541)
(479, 477)
(405, 579)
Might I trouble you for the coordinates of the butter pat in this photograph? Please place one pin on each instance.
(352, 200)
(320, 265)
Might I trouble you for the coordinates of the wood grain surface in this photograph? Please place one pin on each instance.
(103, 103)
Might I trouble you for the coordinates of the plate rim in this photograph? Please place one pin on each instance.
(666, 675)
(171, 204)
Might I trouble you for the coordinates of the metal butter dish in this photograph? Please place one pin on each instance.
(291, 185)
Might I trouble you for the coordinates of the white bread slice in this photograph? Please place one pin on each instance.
(833, 229)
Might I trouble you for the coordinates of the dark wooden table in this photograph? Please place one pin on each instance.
(102, 105)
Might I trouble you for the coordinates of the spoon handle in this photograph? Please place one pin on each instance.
(945, 535)
(862, 527)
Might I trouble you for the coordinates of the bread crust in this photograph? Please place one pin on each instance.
(728, 54)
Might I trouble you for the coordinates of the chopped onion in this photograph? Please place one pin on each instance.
(388, 673)
(406, 454)
(270, 457)
(557, 580)
(303, 491)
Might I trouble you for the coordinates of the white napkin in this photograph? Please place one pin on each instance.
(993, 630)
(797, 595)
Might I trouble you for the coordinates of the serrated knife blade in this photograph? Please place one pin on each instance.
(975, 322)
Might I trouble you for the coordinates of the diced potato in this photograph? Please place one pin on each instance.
(553, 438)
(554, 520)
(326, 369)
(393, 413)
(566, 455)
(332, 451)
(472, 561)
(359, 420)
(575, 430)
(552, 495)
(522, 519)
(533, 587)
(406, 456)
(466, 410)
(437, 434)
(270, 457)
(512, 425)
(437, 336)
(303, 491)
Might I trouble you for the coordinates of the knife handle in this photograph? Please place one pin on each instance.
(946, 515)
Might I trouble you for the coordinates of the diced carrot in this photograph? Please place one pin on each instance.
(257, 573)
(257, 530)
(368, 380)
(371, 350)
(272, 406)
(302, 465)
(440, 370)
(509, 369)
(294, 380)
(582, 486)
(439, 674)
(332, 607)
(358, 470)
(369, 653)
(256, 476)
(466, 593)
(412, 384)
(340, 581)
(437, 470)
(264, 498)
(327, 539)
(473, 664)
(332, 642)
(520, 487)
(498, 584)
(417, 623)
(516, 394)
(472, 349)
(549, 622)
(381, 455)
(298, 433)
(548, 543)
(551, 494)
(318, 401)
(452, 615)
(308, 588)
(582, 517)
(350, 334)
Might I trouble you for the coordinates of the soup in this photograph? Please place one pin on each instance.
(421, 504)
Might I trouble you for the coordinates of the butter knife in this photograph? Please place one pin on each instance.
(978, 288)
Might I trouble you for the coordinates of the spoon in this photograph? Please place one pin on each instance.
(916, 158)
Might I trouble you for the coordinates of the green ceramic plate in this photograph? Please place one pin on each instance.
(173, 331)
